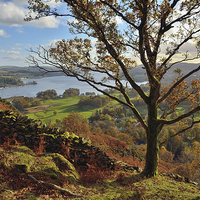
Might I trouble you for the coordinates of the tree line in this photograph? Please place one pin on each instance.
(52, 94)
(26, 102)
(10, 81)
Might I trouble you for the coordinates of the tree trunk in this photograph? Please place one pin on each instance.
(152, 154)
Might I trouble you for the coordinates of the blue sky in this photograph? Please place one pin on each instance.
(16, 35)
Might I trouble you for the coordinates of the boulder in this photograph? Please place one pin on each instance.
(65, 166)
(22, 160)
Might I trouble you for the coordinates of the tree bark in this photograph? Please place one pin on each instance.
(152, 155)
(152, 132)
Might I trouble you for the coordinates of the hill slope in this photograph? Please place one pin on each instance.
(42, 179)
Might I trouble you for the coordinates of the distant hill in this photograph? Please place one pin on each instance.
(140, 74)
(26, 72)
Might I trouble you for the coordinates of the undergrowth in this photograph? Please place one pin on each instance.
(96, 182)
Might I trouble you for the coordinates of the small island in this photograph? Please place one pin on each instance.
(13, 82)
(31, 83)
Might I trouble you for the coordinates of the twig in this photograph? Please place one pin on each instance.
(55, 187)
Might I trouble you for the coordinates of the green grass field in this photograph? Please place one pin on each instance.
(63, 107)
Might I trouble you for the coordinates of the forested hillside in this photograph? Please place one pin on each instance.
(78, 115)
(98, 155)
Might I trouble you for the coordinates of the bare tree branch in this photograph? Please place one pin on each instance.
(177, 83)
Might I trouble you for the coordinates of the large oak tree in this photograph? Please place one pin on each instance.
(114, 34)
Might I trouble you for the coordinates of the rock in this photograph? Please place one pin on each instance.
(171, 175)
(178, 177)
(32, 133)
(64, 165)
(61, 162)
(181, 178)
(53, 165)
(23, 149)
(128, 167)
(56, 175)
(194, 183)
(138, 169)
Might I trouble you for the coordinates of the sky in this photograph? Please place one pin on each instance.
(18, 36)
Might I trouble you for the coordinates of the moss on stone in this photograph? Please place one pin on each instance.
(23, 149)
(24, 160)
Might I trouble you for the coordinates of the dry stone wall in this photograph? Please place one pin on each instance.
(78, 150)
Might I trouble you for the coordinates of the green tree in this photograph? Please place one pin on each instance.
(149, 28)
(21, 104)
(48, 94)
(55, 112)
(71, 92)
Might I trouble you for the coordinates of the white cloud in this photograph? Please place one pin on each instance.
(49, 22)
(51, 44)
(10, 52)
(53, 4)
(16, 48)
(19, 44)
(13, 14)
(13, 52)
(118, 20)
(20, 30)
(12, 57)
(3, 33)
(9, 60)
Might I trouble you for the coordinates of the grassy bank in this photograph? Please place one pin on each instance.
(95, 185)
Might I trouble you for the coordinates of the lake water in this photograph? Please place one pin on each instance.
(58, 83)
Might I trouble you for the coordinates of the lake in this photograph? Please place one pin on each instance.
(58, 83)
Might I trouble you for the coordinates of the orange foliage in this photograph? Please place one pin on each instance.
(93, 175)
(165, 155)
(41, 147)
(11, 141)
(76, 123)
(4, 106)
(164, 167)
(105, 140)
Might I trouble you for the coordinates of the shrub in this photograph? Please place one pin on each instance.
(165, 155)
(76, 123)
